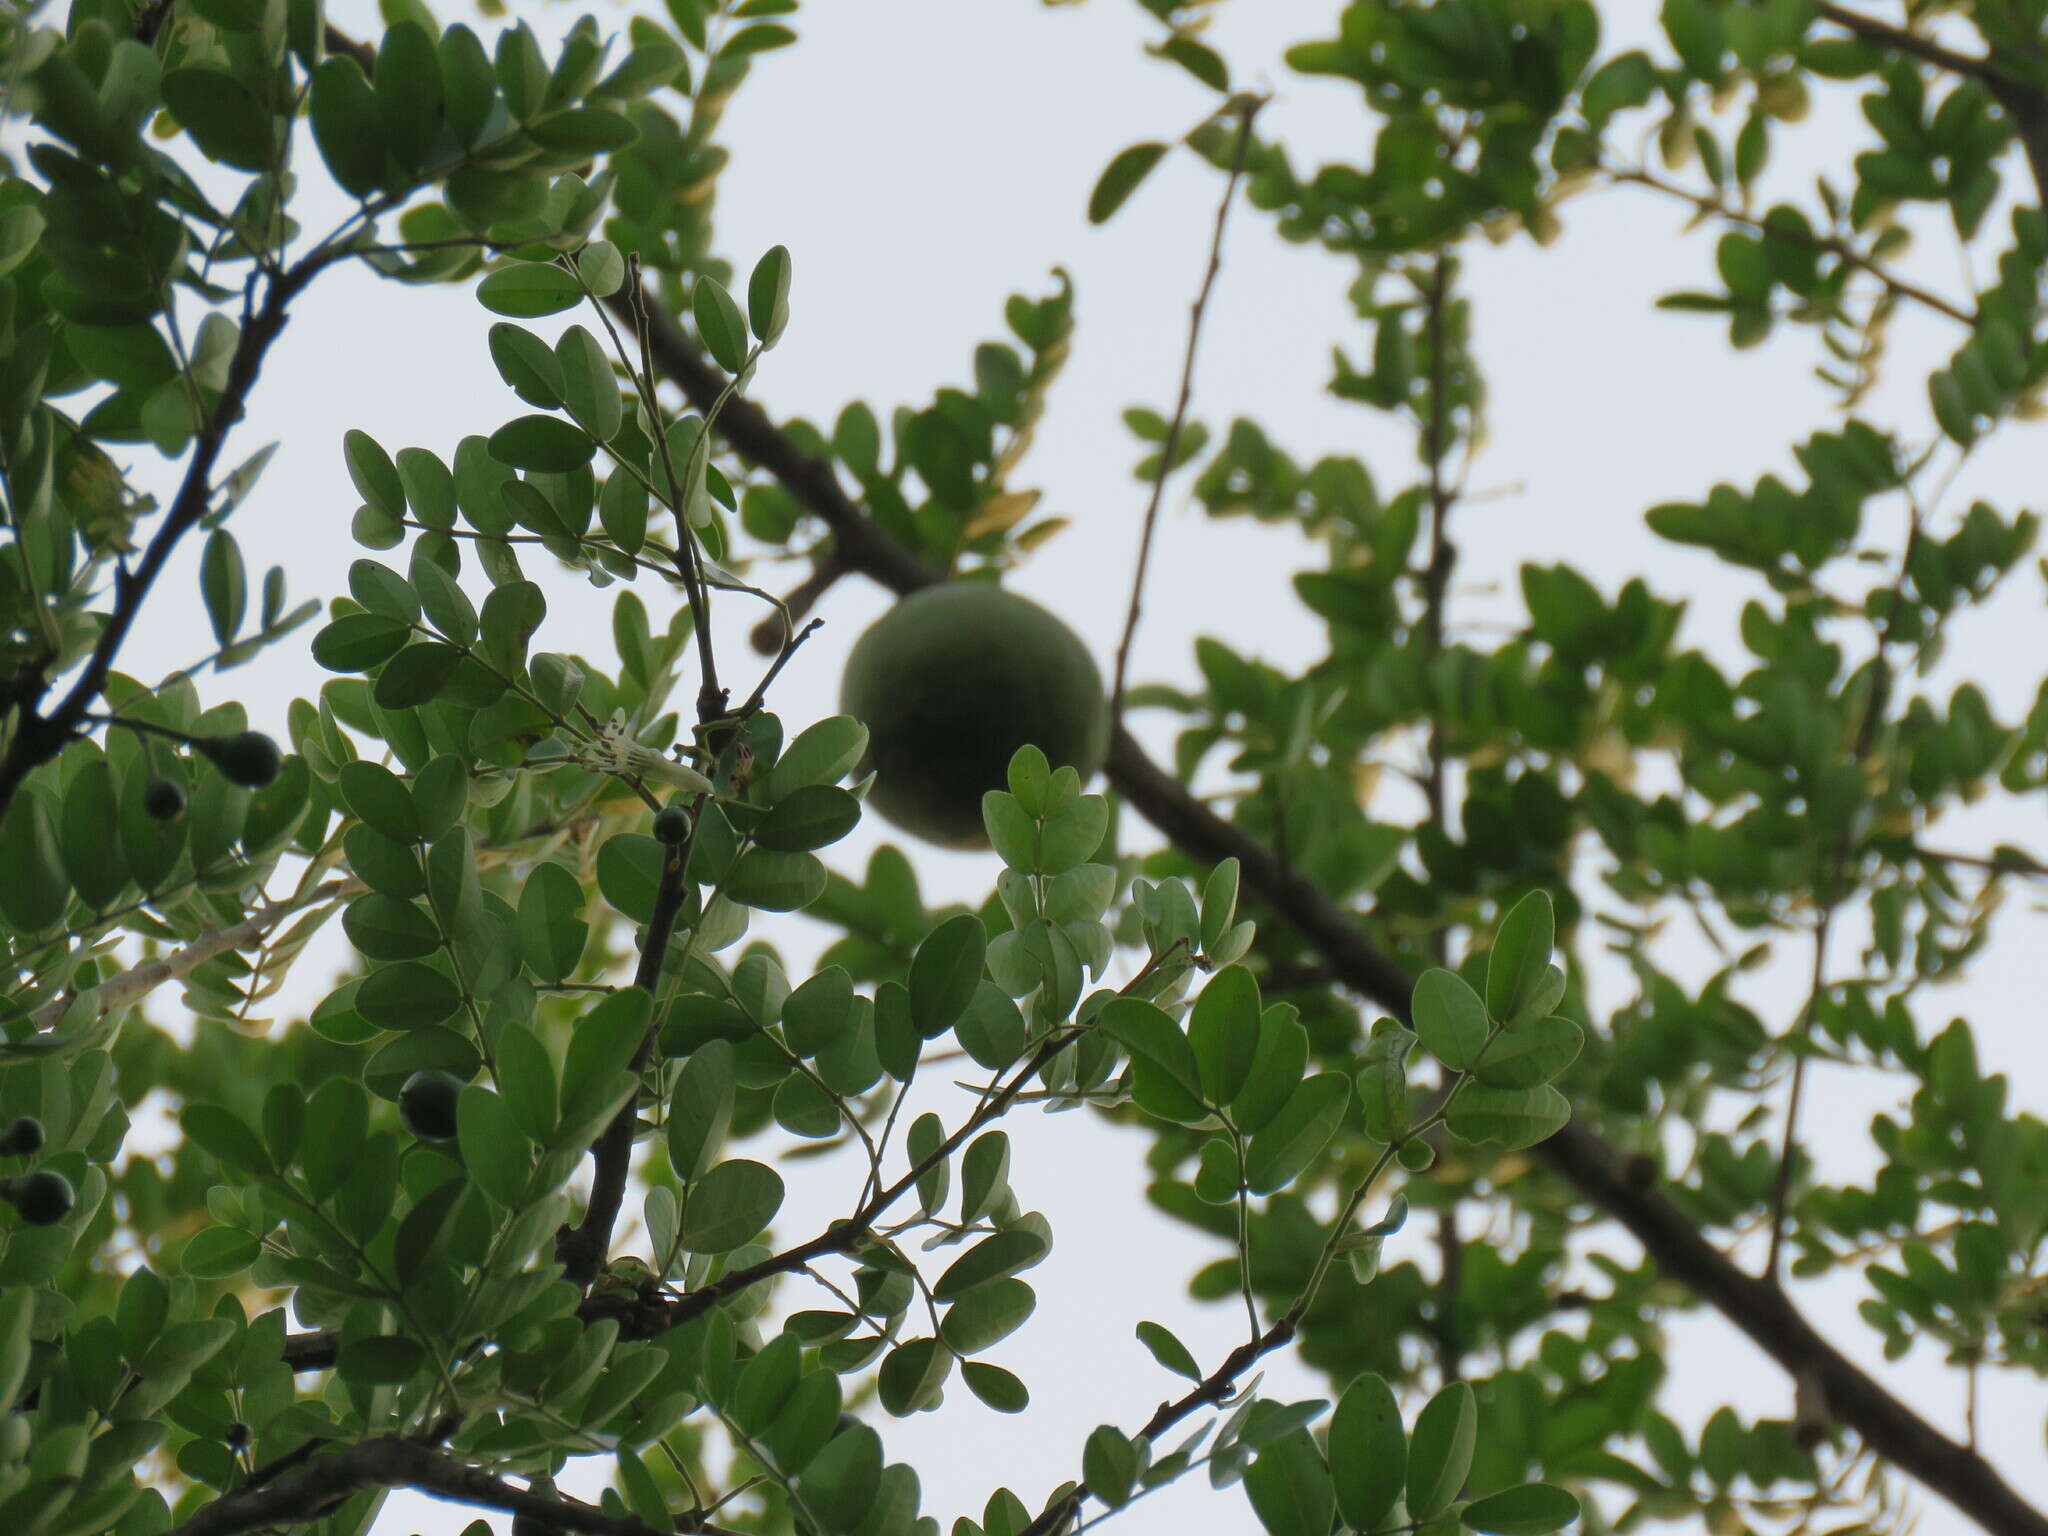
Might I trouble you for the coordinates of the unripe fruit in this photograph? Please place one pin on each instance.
(237, 1437)
(44, 1197)
(672, 825)
(22, 1138)
(248, 758)
(427, 1103)
(163, 800)
(950, 683)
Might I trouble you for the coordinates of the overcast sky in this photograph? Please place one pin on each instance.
(923, 159)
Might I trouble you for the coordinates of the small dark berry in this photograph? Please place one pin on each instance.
(427, 1104)
(163, 800)
(44, 1197)
(672, 825)
(248, 758)
(237, 1436)
(22, 1137)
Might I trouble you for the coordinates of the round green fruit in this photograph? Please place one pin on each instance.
(22, 1138)
(950, 683)
(427, 1104)
(672, 824)
(44, 1197)
(248, 758)
(163, 800)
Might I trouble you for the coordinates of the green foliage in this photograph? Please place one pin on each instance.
(368, 1236)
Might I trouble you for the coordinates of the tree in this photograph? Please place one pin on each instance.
(385, 1248)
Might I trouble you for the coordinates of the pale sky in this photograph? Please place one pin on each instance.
(924, 159)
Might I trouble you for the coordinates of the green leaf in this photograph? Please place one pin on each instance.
(494, 1148)
(35, 891)
(356, 642)
(1276, 1070)
(987, 1315)
(525, 290)
(1440, 1450)
(811, 816)
(1449, 1018)
(590, 388)
(700, 1110)
(1164, 1078)
(226, 1137)
(89, 835)
(224, 584)
(992, 1030)
(416, 675)
(1533, 1509)
(776, 882)
(995, 1386)
(1290, 1487)
(816, 1013)
(407, 995)
(945, 972)
(996, 1257)
(223, 116)
(1120, 178)
(1199, 60)
(594, 1075)
(1286, 1145)
(526, 1077)
(822, 753)
(217, 1252)
(768, 296)
(1168, 1350)
(1508, 1117)
(912, 1376)
(408, 89)
(552, 933)
(374, 475)
(381, 1360)
(583, 131)
(1109, 1465)
(1535, 1053)
(529, 365)
(730, 1206)
(545, 443)
(720, 324)
(379, 799)
(1224, 1030)
(1521, 953)
(1368, 1452)
(839, 1486)
(384, 927)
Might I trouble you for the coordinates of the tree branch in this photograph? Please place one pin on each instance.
(1577, 1153)
(582, 1250)
(38, 737)
(389, 1462)
(138, 981)
(1168, 448)
(2027, 104)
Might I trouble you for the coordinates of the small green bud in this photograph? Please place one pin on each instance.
(672, 825)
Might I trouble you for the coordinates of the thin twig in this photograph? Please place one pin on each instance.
(1830, 245)
(1171, 446)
